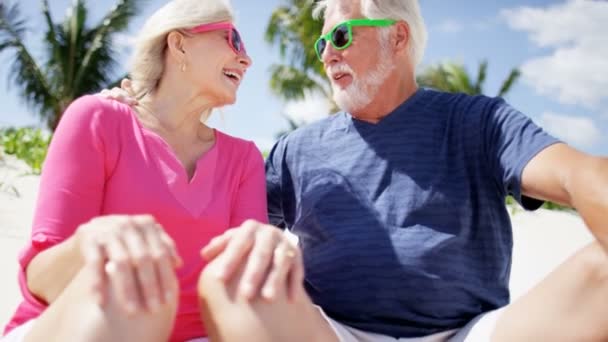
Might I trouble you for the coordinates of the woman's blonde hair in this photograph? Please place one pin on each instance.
(148, 59)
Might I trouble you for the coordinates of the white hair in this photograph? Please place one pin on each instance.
(148, 59)
(406, 10)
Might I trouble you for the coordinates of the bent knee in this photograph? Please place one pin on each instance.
(592, 262)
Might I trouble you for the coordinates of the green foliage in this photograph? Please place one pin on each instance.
(294, 31)
(78, 59)
(454, 78)
(514, 206)
(555, 206)
(27, 144)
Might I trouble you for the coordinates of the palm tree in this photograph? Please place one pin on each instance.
(78, 59)
(293, 29)
(454, 78)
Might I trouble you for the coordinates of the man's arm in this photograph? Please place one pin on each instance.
(564, 175)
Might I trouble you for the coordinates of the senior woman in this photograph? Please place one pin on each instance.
(130, 195)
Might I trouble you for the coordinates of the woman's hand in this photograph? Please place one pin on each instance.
(272, 260)
(134, 255)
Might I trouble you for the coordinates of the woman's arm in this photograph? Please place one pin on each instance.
(70, 193)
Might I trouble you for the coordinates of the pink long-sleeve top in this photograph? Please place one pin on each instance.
(103, 161)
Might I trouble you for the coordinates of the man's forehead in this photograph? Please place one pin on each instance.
(339, 11)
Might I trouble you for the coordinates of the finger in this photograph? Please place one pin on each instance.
(136, 241)
(217, 245)
(127, 85)
(236, 251)
(259, 262)
(167, 241)
(94, 259)
(168, 279)
(122, 96)
(277, 282)
(163, 263)
(295, 275)
(156, 228)
(122, 277)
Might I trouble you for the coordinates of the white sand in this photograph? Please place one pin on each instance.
(543, 239)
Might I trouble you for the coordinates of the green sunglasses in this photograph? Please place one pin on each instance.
(341, 35)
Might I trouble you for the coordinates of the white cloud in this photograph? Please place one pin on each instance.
(312, 108)
(575, 32)
(575, 130)
(451, 26)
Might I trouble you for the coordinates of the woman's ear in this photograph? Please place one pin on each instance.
(175, 45)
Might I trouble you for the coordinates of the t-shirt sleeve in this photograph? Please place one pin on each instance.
(279, 186)
(72, 181)
(250, 203)
(511, 140)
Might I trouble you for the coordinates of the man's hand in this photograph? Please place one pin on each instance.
(125, 94)
(271, 260)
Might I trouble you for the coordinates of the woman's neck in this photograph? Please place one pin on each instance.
(175, 113)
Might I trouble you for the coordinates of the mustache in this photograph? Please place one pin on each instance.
(340, 68)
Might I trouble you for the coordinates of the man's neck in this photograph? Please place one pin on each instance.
(391, 95)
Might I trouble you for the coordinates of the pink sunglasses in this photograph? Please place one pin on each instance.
(234, 38)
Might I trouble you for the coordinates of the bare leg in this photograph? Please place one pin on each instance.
(74, 316)
(229, 317)
(571, 304)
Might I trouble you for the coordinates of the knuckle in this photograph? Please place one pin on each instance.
(122, 264)
(124, 222)
(255, 275)
(159, 256)
(145, 219)
(143, 258)
(250, 225)
(264, 254)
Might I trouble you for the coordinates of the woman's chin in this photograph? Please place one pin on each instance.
(229, 99)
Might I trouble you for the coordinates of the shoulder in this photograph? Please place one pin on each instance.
(311, 134)
(95, 112)
(460, 101)
(238, 148)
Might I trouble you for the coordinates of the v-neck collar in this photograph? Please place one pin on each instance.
(193, 194)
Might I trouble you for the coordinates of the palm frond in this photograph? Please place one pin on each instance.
(481, 77)
(99, 57)
(291, 83)
(293, 30)
(24, 71)
(508, 83)
(459, 78)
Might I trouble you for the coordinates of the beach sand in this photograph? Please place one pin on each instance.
(542, 239)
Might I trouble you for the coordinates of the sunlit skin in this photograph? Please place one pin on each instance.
(401, 82)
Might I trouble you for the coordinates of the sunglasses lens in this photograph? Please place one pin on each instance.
(237, 44)
(321, 44)
(340, 36)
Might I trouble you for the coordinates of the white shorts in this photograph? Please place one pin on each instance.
(478, 329)
(18, 334)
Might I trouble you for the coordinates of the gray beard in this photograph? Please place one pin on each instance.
(363, 90)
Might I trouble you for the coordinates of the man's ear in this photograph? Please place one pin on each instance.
(175, 45)
(401, 37)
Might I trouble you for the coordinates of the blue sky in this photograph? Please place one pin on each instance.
(560, 46)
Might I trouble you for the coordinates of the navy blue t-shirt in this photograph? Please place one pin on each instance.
(403, 224)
